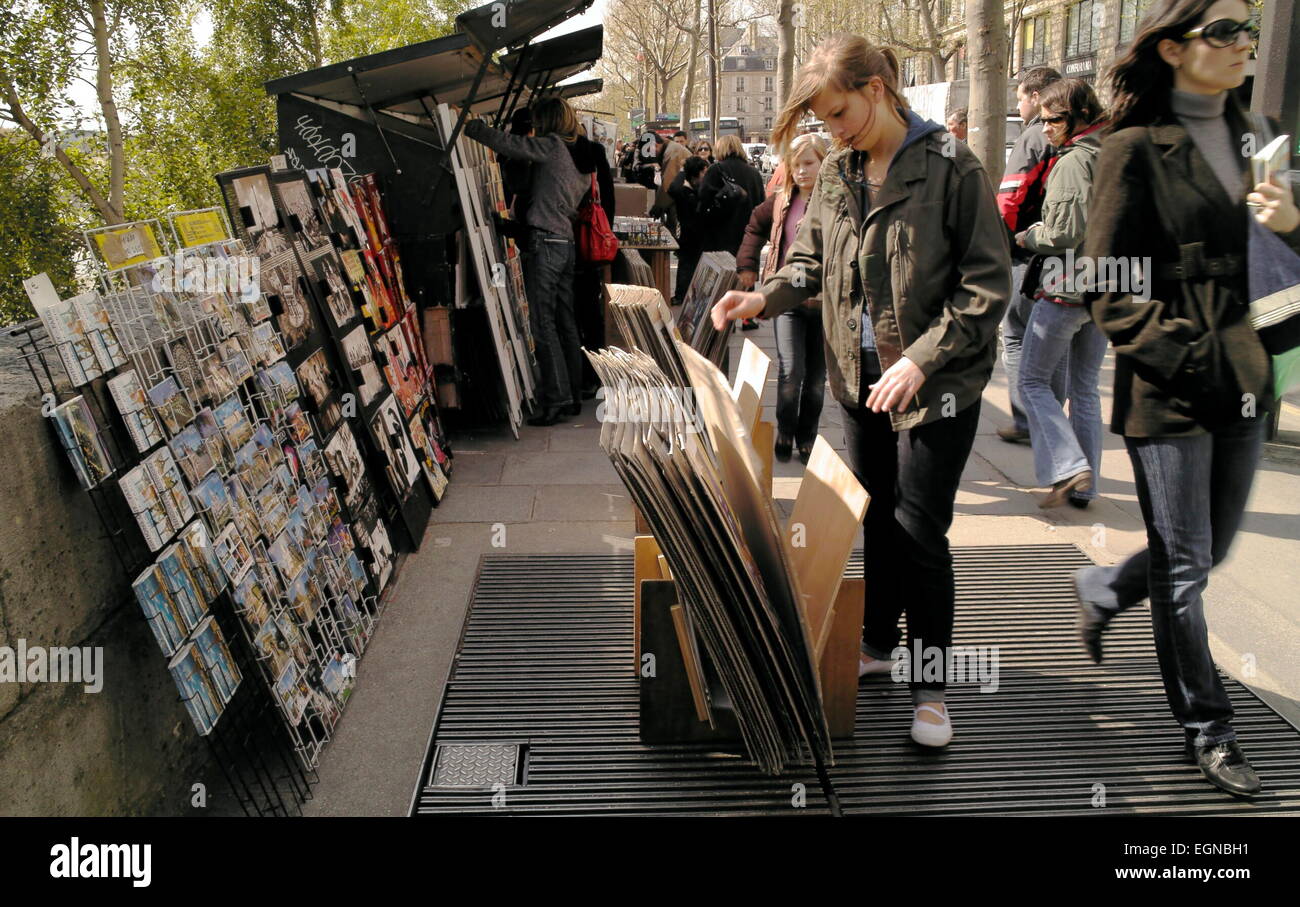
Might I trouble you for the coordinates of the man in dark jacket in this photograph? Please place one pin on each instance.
(685, 195)
(1020, 202)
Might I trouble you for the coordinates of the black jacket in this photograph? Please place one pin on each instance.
(1187, 356)
(687, 202)
(727, 232)
(589, 157)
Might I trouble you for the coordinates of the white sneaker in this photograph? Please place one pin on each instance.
(927, 734)
(875, 666)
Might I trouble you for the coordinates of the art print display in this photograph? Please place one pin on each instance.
(132, 404)
(338, 297)
(213, 654)
(81, 441)
(171, 405)
(233, 554)
(302, 212)
(283, 286)
(321, 386)
(159, 610)
(196, 689)
(345, 462)
(252, 600)
(356, 348)
(403, 469)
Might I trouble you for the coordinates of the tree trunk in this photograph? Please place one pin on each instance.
(688, 90)
(987, 63)
(713, 70)
(104, 90)
(784, 51)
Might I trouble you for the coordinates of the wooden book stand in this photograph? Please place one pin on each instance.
(822, 526)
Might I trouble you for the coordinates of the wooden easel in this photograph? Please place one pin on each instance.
(823, 524)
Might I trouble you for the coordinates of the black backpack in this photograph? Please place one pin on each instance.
(727, 199)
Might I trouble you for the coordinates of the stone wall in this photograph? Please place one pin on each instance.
(130, 748)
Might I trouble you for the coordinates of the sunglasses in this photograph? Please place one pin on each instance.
(1223, 32)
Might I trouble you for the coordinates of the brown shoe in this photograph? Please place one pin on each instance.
(1013, 435)
(1080, 481)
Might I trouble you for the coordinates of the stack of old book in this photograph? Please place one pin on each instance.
(679, 442)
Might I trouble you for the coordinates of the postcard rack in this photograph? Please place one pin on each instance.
(254, 755)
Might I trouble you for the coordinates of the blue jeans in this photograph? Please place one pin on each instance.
(1063, 334)
(1193, 493)
(1014, 324)
(548, 281)
(801, 374)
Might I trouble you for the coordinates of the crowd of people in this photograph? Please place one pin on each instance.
(894, 266)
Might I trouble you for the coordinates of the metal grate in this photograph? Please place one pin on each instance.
(475, 765)
(546, 658)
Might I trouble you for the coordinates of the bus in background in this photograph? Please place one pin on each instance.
(726, 126)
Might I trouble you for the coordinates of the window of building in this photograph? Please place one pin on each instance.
(1080, 34)
(767, 103)
(1130, 14)
(767, 123)
(769, 64)
(767, 83)
(740, 83)
(1033, 42)
(959, 68)
(740, 105)
(909, 72)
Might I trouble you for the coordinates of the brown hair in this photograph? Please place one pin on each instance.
(1038, 79)
(1141, 82)
(844, 62)
(797, 146)
(1076, 100)
(553, 115)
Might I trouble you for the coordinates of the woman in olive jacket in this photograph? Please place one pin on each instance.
(903, 243)
(1192, 380)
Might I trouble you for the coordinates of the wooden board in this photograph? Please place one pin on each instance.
(823, 524)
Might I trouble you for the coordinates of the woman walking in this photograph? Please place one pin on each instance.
(903, 244)
(801, 360)
(1193, 383)
(1067, 450)
(558, 187)
(732, 189)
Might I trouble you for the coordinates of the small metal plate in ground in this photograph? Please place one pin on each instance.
(475, 765)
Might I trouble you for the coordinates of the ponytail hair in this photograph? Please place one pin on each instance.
(844, 62)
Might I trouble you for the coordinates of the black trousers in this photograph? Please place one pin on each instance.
(912, 477)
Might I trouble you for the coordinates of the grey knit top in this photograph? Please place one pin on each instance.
(1202, 117)
(557, 185)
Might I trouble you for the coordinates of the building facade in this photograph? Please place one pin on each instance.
(748, 90)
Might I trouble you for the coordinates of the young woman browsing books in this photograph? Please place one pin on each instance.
(903, 243)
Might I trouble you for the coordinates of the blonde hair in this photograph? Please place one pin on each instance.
(554, 115)
(728, 146)
(797, 146)
(844, 62)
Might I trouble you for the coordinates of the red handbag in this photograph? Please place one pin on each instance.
(597, 243)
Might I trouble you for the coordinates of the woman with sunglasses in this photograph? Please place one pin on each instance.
(1067, 450)
(1193, 383)
(704, 150)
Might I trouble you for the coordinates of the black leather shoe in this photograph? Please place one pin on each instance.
(1225, 766)
(783, 447)
(1081, 503)
(573, 409)
(549, 416)
(805, 453)
(1092, 623)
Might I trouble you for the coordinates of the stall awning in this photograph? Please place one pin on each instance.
(558, 58)
(497, 26)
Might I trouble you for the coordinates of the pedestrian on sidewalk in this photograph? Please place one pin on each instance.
(685, 192)
(561, 177)
(1020, 202)
(1193, 383)
(903, 244)
(800, 357)
(732, 189)
(1067, 450)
